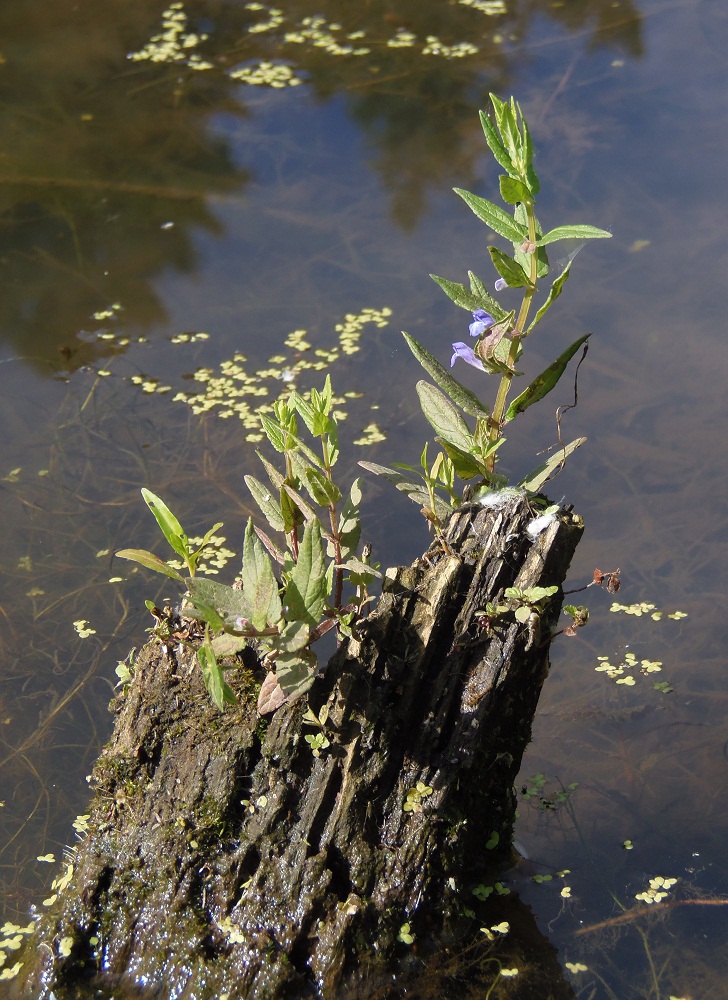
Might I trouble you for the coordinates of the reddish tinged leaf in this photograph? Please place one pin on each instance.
(271, 695)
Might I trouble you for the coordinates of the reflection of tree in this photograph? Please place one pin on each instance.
(98, 156)
(100, 153)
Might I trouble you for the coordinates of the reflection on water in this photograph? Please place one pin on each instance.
(143, 200)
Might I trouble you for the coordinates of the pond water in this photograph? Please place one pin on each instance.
(146, 200)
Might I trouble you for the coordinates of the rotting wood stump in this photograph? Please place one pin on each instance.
(225, 858)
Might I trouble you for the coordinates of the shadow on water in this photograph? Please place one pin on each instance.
(140, 200)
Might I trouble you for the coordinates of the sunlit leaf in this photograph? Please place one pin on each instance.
(171, 528)
(543, 383)
(296, 673)
(536, 479)
(578, 232)
(271, 695)
(464, 398)
(476, 298)
(508, 268)
(498, 220)
(514, 191)
(230, 604)
(259, 584)
(150, 561)
(269, 506)
(307, 591)
(212, 675)
(349, 523)
(496, 146)
(552, 296)
(409, 485)
(444, 417)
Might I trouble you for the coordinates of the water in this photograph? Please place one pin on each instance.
(201, 204)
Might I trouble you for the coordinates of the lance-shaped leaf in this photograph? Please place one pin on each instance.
(466, 465)
(259, 584)
(323, 490)
(575, 232)
(486, 301)
(213, 676)
(444, 417)
(306, 591)
(205, 542)
(349, 523)
(531, 178)
(411, 485)
(464, 398)
(150, 561)
(498, 220)
(536, 479)
(552, 296)
(269, 506)
(230, 605)
(496, 146)
(543, 383)
(361, 569)
(171, 528)
(273, 550)
(507, 268)
(476, 298)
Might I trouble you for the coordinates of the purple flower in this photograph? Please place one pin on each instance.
(467, 354)
(483, 322)
(500, 284)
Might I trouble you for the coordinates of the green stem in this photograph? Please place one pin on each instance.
(501, 399)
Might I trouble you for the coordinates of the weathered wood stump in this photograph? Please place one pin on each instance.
(224, 858)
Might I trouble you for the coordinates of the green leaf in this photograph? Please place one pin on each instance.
(540, 475)
(444, 417)
(259, 584)
(228, 645)
(212, 675)
(309, 514)
(306, 591)
(496, 146)
(269, 506)
(531, 178)
(292, 516)
(543, 383)
(464, 398)
(275, 434)
(150, 561)
(575, 232)
(360, 568)
(494, 217)
(552, 296)
(322, 489)
(296, 673)
(466, 465)
(508, 268)
(514, 191)
(171, 528)
(410, 485)
(476, 298)
(294, 637)
(194, 556)
(231, 605)
(349, 523)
